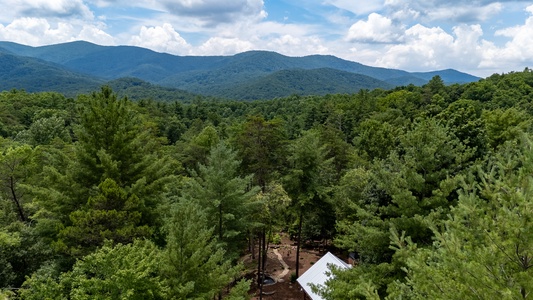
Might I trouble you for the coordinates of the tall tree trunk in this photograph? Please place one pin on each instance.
(298, 244)
(16, 200)
(259, 273)
(265, 249)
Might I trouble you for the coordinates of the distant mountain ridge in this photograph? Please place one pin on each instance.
(249, 75)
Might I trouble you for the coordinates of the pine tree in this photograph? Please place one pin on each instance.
(227, 198)
(308, 180)
(485, 249)
(193, 264)
(112, 272)
(110, 215)
(114, 150)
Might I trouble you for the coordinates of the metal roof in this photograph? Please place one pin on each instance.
(317, 273)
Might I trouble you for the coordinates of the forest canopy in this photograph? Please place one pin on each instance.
(106, 198)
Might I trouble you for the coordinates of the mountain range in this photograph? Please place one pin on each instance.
(78, 67)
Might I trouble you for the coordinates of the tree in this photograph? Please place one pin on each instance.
(274, 201)
(196, 149)
(415, 183)
(115, 150)
(193, 264)
(112, 143)
(308, 178)
(16, 168)
(505, 125)
(44, 130)
(261, 145)
(226, 197)
(463, 118)
(112, 272)
(484, 249)
(110, 215)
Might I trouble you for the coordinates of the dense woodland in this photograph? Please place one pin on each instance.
(106, 198)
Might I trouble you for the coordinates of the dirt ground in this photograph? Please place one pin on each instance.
(284, 289)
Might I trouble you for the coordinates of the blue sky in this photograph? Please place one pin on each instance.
(480, 37)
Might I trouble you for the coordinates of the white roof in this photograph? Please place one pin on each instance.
(317, 273)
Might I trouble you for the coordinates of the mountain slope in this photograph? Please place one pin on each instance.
(301, 82)
(137, 89)
(448, 76)
(219, 75)
(33, 75)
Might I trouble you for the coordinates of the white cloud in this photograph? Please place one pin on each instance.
(38, 31)
(162, 39)
(44, 8)
(432, 48)
(296, 46)
(357, 7)
(224, 46)
(462, 11)
(95, 35)
(377, 29)
(213, 12)
(518, 50)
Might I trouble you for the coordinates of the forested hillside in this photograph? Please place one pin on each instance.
(102, 197)
(73, 68)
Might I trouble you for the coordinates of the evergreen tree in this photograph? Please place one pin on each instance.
(116, 157)
(193, 264)
(484, 250)
(227, 198)
(261, 145)
(308, 179)
(112, 272)
(110, 215)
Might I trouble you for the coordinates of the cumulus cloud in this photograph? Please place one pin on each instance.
(296, 46)
(357, 7)
(377, 29)
(518, 50)
(45, 9)
(433, 48)
(459, 10)
(466, 13)
(161, 39)
(38, 31)
(212, 12)
(95, 35)
(224, 46)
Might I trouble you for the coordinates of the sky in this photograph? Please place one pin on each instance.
(480, 37)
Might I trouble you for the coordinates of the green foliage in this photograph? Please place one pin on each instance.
(36, 75)
(193, 264)
(293, 277)
(429, 185)
(16, 168)
(249, 75)
(44, 130)
(483, 250)
(239, 291)
(505, 125)
(227, 197)
(276, 239)
(111, 272)
(196, 150)
(261, 145)
(110, 215)
(282, 83)
(112, 142)
(463, 118)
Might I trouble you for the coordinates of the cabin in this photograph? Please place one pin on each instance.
(319, 273)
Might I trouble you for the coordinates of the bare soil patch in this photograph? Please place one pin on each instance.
(284, 288)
